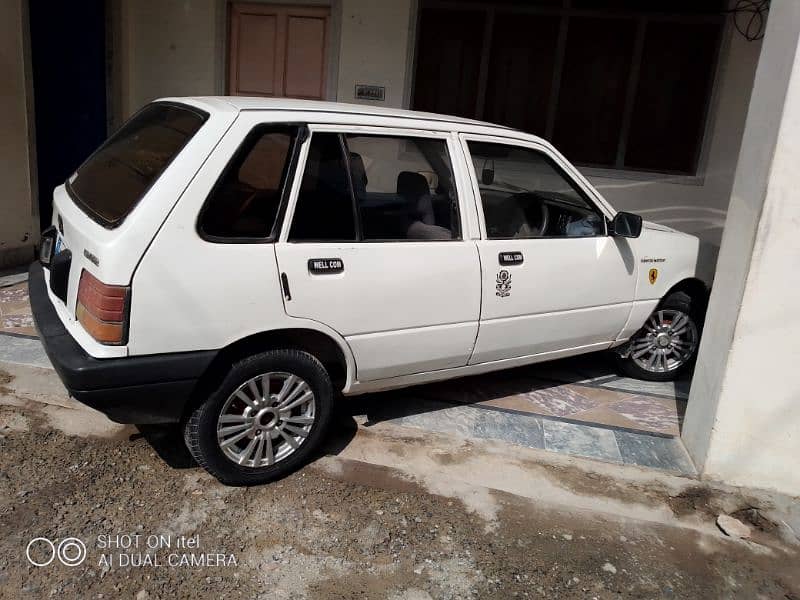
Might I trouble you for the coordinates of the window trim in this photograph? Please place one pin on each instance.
(566, 169)
(564, 12)
(88, 210)
(344, 129)
(300, 175)
(299, 135)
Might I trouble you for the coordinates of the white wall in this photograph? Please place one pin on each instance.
(18, 226)
(166, 49)
(742, 423)
(374, 48)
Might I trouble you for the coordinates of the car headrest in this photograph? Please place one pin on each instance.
(358, 172)
(411, 184)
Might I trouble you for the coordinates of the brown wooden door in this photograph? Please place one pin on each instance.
(278, 51)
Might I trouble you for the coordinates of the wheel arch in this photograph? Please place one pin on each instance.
(695, 288)
(329, 351)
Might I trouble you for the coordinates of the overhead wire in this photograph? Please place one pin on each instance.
(750, 18)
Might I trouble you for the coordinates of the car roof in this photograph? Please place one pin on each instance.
(256, 103)
(359, 114)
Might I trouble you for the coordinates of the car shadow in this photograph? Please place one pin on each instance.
(167, 440)
(554, 378)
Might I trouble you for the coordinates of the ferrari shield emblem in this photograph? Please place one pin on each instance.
(652, 276)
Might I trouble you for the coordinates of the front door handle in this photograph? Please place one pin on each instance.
(511, 258)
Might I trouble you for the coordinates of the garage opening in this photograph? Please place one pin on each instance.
(598, 79)
(68, 57)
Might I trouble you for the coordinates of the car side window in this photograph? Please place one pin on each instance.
(403, 188)
(324, 209)
(525, 194)
(244, 202)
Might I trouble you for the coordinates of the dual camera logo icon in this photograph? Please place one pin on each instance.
(41, 552)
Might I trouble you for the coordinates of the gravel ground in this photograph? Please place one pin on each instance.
(336, 529)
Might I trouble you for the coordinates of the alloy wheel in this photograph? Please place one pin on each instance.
(667, 341)
(266, 419)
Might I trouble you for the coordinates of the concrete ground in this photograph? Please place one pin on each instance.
(386, 511)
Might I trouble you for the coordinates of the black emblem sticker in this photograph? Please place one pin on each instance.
(503, 284)
(325, 266)
(510, 258)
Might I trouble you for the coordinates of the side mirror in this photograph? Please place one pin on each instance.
(627, 225)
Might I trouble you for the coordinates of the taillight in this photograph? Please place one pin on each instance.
(103, 309)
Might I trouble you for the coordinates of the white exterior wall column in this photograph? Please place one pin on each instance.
(743, 420)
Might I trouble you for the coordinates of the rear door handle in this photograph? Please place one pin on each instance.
(511, 258)
(285, 285)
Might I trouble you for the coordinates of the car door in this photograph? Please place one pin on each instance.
(554, 281)
(372, 247)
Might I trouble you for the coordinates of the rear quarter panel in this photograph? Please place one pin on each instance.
(117, 252)
(193, 294)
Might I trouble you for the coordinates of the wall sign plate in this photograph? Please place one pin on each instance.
(370, 92)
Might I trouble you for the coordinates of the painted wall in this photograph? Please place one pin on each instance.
(166, 49)
(742, 423)
(375, 40)
(18, 230)
(178, 48)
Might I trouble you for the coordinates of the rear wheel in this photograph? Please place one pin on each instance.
(666, 346)
(266, 418)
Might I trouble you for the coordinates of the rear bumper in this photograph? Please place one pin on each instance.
(135, 389)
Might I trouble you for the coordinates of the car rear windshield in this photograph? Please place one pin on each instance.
(114, 179)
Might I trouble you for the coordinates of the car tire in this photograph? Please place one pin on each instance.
(633, 358)
(240, 417)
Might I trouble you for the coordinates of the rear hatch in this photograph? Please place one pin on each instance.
(107, 213)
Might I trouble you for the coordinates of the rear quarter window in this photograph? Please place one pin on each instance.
(113, 180)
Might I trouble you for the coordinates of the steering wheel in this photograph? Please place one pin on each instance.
(525, 199)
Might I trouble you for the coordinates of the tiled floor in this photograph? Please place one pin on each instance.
(482, 421)
(577, 406)
(15, 312)
(582, 389)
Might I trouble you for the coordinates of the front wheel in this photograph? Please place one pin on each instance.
(666, 346)
(265, 419)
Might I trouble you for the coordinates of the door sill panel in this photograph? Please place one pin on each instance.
(537, 334)
(379, 385)
(395, 353)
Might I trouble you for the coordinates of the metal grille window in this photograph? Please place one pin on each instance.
(612, 84)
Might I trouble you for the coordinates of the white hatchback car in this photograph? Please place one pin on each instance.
(232, 264)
